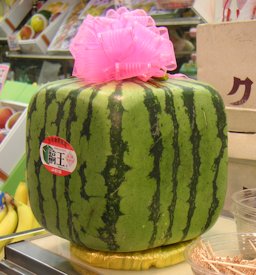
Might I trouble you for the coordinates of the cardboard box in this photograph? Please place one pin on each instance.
(12, 19)
(226, 60)
(13, 146)
(241, 164)
(40, 44)
(16, 95)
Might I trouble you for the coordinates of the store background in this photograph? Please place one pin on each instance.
(29, 68)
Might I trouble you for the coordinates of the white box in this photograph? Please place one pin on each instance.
(226, 59)
(13, 18)
(241, 164)
(42, 41)
(12, 147)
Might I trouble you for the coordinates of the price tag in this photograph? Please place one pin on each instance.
(13, 42)
(4, 69)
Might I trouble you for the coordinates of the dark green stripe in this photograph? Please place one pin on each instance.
(195, 138)
(188, 98)
(59, 116)
(72, 117)
(49, 98)
(70, 215)
(170, 110)
(221, 125)
(114, 171)
(154, 109)
(86, 132)
(32, 108)
(87, 123)
(81, 173)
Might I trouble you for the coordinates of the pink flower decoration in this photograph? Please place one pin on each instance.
(121, 45)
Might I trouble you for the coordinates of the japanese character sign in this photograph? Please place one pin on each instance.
(246, 84)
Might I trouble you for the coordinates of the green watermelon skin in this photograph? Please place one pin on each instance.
(151, 162)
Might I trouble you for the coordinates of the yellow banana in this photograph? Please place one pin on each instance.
(8, 224)
(21, 193)
(26, 220)
(3, 212)
(36, 224)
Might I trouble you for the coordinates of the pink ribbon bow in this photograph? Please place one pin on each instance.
(121, 45)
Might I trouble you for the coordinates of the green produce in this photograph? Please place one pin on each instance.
(126, 166)
(40, 20)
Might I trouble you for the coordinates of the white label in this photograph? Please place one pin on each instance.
(58, 156)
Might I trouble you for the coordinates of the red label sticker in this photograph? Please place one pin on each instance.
(58, 156)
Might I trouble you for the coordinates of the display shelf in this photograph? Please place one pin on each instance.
(61, 57)
(38, 56)
(177, 21)
(68, 56)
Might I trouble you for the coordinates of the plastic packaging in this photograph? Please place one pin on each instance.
(244, 210)
(228, 253)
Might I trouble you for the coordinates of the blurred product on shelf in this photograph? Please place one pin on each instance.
(67, 30)
(12, 120)
(190, 68)
(37, 33)
(97, 8)
(5, 113)
(146, 5)
(12, 12)
(174, 4)
(27, 32)
(49, 72)
(40, 20)
(181, 44)
(5, 7)
(192, 32)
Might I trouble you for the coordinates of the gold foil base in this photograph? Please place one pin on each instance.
(158, 257)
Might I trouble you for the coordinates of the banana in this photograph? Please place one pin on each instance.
(26, 220)
(3, 212)
(21, 193)
(36, 224)
(8, 224)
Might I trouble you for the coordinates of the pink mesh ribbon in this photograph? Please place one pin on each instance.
(121, 45)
